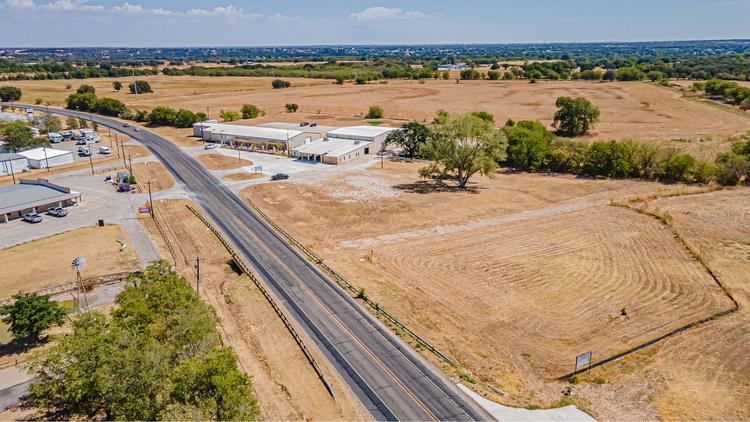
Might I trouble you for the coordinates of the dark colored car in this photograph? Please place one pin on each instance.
(57, 211)
(279, 176)
(32, 217)
(304, 124)
(313, 124)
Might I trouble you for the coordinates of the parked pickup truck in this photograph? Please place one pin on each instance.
(32, 217)
(279, 176)
(57, 211)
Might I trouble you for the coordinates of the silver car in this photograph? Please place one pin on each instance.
(32, 217)
(57, 211)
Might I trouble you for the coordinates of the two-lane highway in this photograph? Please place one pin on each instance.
(391, 379)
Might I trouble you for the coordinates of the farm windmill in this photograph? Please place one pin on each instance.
(78, 265)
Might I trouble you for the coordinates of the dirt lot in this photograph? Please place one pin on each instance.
(46, 262)
(286, 385)
(153, 172)
(512, 280)
(222, 162)
(130, 150)
(629, 110)
(243, 176)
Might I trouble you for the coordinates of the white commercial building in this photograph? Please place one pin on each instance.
(44, 157)
(254, 137)
(13, 164)
(334, 150)
(374, 134)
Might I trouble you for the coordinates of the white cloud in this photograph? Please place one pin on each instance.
(380, 12)
(65, 5)
(20, 4)
(132, 9)
(230, 12)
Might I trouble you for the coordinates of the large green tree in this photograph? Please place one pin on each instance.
(48, 122)
(82, 102)
(18, 136)
(31, 314)
(86, 89)
(9, 93)
(158, 357)
(411, 138)
(143, 87)
(162, 116)
(117, 85)
(575, 117)
(463, 147)
(185, 118)
(111, 107)
(250, 111)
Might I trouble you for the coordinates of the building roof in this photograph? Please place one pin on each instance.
(255, 132)
(11, 156)
(295, 126)
(332, 147)
(38, 153)
(367, 131)
(23, 196)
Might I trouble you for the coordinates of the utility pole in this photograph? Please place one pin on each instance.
(135, 85)
(11, 171)
(45, 157)
(198, 260)
(150, 201)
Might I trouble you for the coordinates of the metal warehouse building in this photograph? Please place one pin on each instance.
(334, 150)
(13, 164)
(373, 134)
(44, 157)
(34, 196)
(254, 137)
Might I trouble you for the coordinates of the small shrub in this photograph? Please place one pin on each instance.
(600, 380)
(533, 407)
(623, 312)
(291, 107)
(38, 101)
(317, 112)
(375, 112)
(422, 81)
(467, 378)
(384, 82)
(575, 379)
(361, 81)
(533, 81)
(279, 84)
(565, 401)
(68, 86)
(361, 294)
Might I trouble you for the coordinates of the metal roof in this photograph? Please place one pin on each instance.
(11, 156)
(332, 147)
(367, 131)
(21, 197)
(38, 153)
(253, 132)
(295, 126)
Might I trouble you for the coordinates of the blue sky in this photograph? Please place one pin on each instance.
(183, 23)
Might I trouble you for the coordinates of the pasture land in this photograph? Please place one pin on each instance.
(636, 110)
(286, 385)
(512, 279)
(27, 267)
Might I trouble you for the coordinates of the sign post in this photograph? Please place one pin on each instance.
(583, 360)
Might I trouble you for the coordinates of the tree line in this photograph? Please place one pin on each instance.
(468, 144)
(159, 356)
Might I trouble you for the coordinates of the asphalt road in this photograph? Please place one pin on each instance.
(388, 376)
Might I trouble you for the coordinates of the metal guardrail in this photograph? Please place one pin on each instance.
(166, 239)
(240, 263)
(346, 285)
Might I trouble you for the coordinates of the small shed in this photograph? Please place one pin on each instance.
(44, 157)
(13, 164)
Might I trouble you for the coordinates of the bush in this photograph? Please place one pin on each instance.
(533, 407)
(508, 76)
(38, 101)
(143, 87)
(375, 112)
(141, 116)
(68, 86)
(600, 380)
(361, 80)
(110, 107)
(575, 379)
(291, 107)
(185, 118)
(446, 75)
(229, 116)
(30, 315)
(279, 84)
(9, 94)
(86, 89)
(162, 116)
(484, 116)
(340, 79)
(493, 75)
(250, 111)
(470, 74)
(82, 102)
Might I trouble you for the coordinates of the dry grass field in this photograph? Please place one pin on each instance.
(27, 266)
(629, 110)
(514, 278)
(221, 162)
(286, 385)
(153, 172)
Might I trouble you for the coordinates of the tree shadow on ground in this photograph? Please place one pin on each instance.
(21, 346)
(436, 186)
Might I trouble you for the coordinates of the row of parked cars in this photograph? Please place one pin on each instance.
(33, 217)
